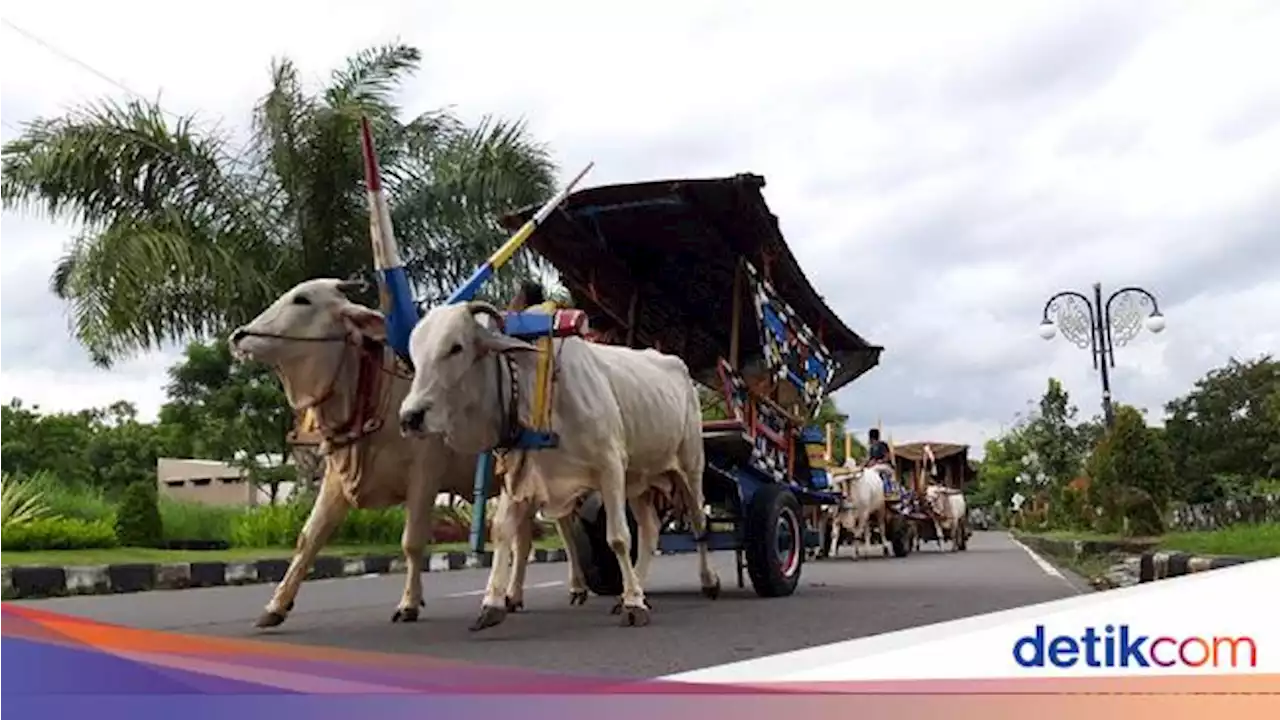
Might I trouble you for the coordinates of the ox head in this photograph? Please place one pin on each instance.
(305, 332)
(936, 497)
(454, 389)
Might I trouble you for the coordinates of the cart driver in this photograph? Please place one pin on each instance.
(531, 297)
(877, 449)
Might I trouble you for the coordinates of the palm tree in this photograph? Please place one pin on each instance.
(182, 237)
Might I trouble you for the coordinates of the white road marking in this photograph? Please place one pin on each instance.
(1045, 565)
(535, 586)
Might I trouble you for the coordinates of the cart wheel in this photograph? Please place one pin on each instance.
(590, 539)
(774, 541)
(900, 536)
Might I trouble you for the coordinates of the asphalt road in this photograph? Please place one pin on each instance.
(838, 599)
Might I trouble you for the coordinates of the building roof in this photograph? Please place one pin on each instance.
(914, 451)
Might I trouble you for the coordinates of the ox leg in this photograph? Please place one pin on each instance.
(613, 492)
(647, 528)
(506, 523)
(885, 546)
(413, 542)
(836, 528)
(328, 512)
(520, 561)
(577, 586)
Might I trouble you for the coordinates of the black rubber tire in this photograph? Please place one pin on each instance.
(900, 536)
(768, 576)
(588, 533)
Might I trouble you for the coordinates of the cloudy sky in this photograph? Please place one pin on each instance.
(940, 169)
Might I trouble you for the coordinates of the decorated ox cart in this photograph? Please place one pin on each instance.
(901, 507)
(945, 466)
(698, 269)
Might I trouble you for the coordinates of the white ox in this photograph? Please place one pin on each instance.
(862, 495)
(629, 424)
(949, 509)
(330, 355)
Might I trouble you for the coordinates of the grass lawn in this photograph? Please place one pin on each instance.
(1259, 541)
(150, 555)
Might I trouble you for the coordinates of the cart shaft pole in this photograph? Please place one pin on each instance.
(468, 289)
(395, 294)
(484, 469)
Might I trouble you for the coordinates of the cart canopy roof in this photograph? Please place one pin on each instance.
(675, 243)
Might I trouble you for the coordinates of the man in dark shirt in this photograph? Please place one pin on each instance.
(529, 295)
(877, 449)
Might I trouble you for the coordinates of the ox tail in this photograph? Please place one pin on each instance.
(691, 454)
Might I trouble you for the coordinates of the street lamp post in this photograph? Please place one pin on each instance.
(1101, 326)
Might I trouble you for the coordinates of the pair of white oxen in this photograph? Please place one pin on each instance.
(629, 423)
(862, 495)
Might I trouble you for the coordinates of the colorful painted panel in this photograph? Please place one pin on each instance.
(791, 350)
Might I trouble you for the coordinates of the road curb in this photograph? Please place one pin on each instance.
(1153, 566)
(1076, 549)
(27, 582)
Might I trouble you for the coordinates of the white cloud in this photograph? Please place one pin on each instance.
(939, 168)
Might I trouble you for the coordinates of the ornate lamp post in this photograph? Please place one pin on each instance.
(1101, 326)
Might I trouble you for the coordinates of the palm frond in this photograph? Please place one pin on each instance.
(371, 76)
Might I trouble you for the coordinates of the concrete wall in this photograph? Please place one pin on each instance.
(204, 481)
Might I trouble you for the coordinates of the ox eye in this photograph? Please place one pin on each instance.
(301, 300)
(455, 349)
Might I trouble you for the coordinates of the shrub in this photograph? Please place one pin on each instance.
(55, 533)
(1132, 473)
(73, 500)
(196, 521)
(371, 527)
(21, 502)
(269, 525)
(138, 521)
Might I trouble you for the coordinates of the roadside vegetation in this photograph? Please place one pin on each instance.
(1215, 459)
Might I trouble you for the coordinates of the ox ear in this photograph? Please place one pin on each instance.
(488, 341)
(362, 320)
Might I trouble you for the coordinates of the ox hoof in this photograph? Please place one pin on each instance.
(708, 591)
(514, 605)
(885, 551)
(618, 606)
(489, 616)
(409, 614)
(635, 617)
(269, 619)
(577, 597)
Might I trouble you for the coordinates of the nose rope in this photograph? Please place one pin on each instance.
(293, 338)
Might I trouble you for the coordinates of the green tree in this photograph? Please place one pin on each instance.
(1052, 435)
(1131, 471)
(998, 473)
(103, 447)
(1224, 434)
(226, 410)
(183, 237)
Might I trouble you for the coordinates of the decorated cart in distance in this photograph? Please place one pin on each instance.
(920, 464)
(699, 269)
(903, 511)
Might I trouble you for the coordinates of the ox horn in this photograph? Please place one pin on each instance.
(480, 307)
(346, 286)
